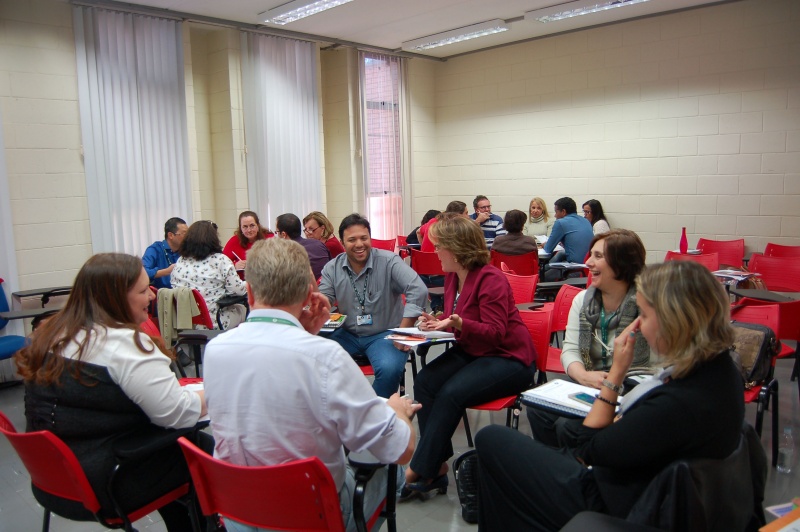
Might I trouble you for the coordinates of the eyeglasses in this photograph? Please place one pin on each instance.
(209, 222)
(484, 207)
(310, 231)
(585, 212)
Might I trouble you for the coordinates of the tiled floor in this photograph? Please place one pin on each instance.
(19, 511)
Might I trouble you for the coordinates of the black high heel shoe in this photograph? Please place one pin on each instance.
(428, 490)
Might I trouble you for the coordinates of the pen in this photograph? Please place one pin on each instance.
(235, 255)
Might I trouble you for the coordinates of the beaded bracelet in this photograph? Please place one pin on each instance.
(606, 401)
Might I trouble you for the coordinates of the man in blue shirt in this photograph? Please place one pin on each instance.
(490, 223)
(573, 231)
(160, 257)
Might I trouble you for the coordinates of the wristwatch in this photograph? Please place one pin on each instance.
(613, 387)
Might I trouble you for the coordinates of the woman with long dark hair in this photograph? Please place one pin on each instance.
(91, 375)
(248, 233)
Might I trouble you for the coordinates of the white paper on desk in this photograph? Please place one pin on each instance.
(736, 275)
(567, 265)
(429, 335)
(541, 239)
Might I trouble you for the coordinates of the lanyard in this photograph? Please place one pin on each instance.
(280, 321)
(604, 332)
(166, 255)
(361, 298)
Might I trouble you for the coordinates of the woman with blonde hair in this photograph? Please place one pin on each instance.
(692, 409)
(492, 358)
(539, 221)
(317, 226)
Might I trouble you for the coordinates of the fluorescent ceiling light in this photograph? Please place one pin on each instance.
(575, 9)
(457, 35)
(298, 9)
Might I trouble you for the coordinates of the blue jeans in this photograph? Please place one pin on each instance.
(388, 362)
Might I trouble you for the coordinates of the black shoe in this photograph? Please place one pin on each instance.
(427, 491)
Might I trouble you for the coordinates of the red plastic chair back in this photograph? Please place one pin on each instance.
(426, 263)
(788, 316)
(538, 324)
(527, 264)
(52, 465)
(767, 315)
(204, 318)
(522, 286)
(709, 260)
(298, 495)
(780, 274)
(388, 245)
(777, 250)
(150, 328)
(562, 305)
(730, 252)
(402, 240)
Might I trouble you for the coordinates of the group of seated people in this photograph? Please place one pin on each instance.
(91, 374)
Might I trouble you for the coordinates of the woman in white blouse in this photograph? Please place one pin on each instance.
(593, 211)
(91, 376)
(202, 266)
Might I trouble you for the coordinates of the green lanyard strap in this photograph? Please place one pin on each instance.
(279, 321)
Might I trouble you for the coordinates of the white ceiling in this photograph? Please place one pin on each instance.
(387, 23)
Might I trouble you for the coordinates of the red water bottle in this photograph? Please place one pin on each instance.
(684, 244)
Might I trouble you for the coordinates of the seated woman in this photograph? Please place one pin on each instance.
(250, 231)
(597, 314)
(593, 211)
(514, 243)
(539, 221)
(692, 409)
(317, 226)
(493, 355)
(203, 267)
(92, 375)
(413, 236)
(454, 208)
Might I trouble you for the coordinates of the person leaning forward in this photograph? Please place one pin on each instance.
(367, 285)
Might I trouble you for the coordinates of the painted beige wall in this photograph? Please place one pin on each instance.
(691, 119)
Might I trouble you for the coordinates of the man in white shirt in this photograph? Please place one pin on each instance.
(277, 392)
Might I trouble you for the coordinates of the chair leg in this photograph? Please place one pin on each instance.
(413, 357)
(761, 404)
(391, 499)
(46, 521)
(773, 387)
(197, 355)
(466, 429)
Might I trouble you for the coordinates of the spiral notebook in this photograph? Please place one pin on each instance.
(555, 397)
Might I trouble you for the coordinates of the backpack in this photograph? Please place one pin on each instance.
(756, 345)
(465, 469)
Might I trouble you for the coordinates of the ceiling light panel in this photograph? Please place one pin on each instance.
(457, 35)
(298, 9)
(575, 9)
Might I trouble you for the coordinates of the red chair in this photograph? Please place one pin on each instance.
(297, 495)
(538, 324)
(522, 286)
(709, 260)
(402, 241)
(426, 263)
(761, 393)
(780, 274)
(776, 250)
(388, 245)
(560, 309)
(730, 252)
(55, 470)
(527, 264)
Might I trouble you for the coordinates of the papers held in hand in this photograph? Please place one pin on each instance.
(554, 396)
(412, 336)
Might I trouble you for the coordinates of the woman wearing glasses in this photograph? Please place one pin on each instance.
(597, 314)
(250, 231)
(203, 267)
(317, 226)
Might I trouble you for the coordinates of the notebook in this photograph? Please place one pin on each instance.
(555, 397)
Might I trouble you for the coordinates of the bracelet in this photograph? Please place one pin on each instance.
(606, 401)
(619, 388)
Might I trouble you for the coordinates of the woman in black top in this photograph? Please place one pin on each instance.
(692, 409)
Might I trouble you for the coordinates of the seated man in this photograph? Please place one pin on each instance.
(490, 223)
(289, 226)
(574, 232)
(367, 285)
(160, 257)
(277, 392)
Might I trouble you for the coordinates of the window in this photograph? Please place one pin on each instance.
(381, 123)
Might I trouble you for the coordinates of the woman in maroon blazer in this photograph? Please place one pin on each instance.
(493, 356)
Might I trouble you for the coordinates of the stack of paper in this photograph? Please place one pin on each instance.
(555, 396)
(412, 336)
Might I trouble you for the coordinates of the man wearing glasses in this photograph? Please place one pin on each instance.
(160, 257)
(490, 223)
(288, 226)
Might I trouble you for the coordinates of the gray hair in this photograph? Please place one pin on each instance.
(278, 272)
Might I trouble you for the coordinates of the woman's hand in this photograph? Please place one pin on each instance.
(623, 348)
(240, 265)
(577, 372)
(427, 322)
(453, 321)
(316, 314)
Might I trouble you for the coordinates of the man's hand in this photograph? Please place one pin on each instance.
(482, 217)
(404, 407)
(316, 314)
(165, 272)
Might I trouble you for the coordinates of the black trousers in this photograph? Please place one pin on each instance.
(552, 429)
(526, 485)
(448, 385)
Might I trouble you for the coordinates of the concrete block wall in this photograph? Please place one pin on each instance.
(41, 129)
(683, 120)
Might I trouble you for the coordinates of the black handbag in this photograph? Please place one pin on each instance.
(465, 469)
(756, 345)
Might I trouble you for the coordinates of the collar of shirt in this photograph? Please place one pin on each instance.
(273, 313)
(367, 267)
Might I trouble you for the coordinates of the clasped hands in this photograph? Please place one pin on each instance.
(428, 322)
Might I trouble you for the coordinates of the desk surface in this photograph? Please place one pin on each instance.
(63, 290)
(28, 313)
(766, 295)
(555, 285)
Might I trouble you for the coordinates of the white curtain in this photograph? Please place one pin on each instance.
(133, 122)
(383, 129)
(281, 124)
